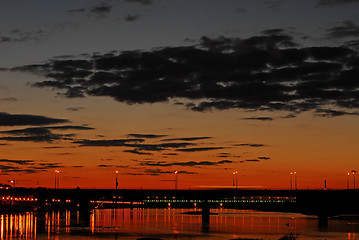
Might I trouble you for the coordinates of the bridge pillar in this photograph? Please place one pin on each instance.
(205, 216)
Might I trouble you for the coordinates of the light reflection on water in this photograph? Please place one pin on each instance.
(172, 224)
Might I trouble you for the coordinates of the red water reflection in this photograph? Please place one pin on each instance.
(172, 223)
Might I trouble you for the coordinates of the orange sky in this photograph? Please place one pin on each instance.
(148, 88)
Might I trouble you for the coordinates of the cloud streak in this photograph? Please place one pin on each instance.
(249, 145)
(201, 149)
(348, 29)
(186, 164)
(135, 135)
(332, 3)
(26, 166)
(7, 119)
(106, 143)
(40, 134)
(186, 139)
(259, 118)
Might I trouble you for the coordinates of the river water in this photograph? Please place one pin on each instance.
(174, 224)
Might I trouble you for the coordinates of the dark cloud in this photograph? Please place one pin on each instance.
(43, 130)
(26, 166)
(160, 147)
(6, 168)
(156, 172)
(40, 138)
(132, 17)
(331, 3)
(143, 2)
(269, 72)
(227, 155)
(45, 166)
(40, 134)
(186, 139)
(69, 127)
(186, 164)
(273, 4)
(274, 31)
(102, 10)
(348, 29)
(133, 174)
(259, 118)
(20, 36)
(333, 113)
(10, 99)
(7, 119)
(75, 109)
(201, 149)
(107, 143)
(52, 147)
(135, 151)
(137, 144)
(113, 166)
(104, 166)
(249, 145)
(264, 158)
(224, 155)
(38, 131)
(252, 160)
(289, 116)
(145, 135)
(20, 162)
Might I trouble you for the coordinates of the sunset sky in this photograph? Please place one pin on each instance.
(202, 87)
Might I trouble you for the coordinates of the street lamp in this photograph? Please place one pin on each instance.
(176, 172)
(13, 183)
(295, 180)
(348, 181)
(291, 180)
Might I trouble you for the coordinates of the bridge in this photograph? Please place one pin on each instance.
(323, 203)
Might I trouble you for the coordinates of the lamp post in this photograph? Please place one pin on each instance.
(325, 184)
(353, 172)
(291, 180)
(176, 172)
(116, 180)
(295, 180)
(235, 178)
(57, 179)
(348, 181)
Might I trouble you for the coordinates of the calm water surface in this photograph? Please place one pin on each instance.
(173, 224)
